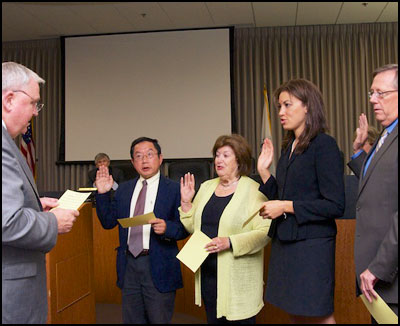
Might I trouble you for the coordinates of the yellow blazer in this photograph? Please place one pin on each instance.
(240, 271)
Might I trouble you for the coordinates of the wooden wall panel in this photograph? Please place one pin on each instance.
(105, 243)
(348, 308)
(69, 265)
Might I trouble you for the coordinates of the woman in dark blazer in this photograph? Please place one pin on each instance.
(304, 199)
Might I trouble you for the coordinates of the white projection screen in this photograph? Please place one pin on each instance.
(174, 86)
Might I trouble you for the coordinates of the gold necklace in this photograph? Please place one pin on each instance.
(230, 184)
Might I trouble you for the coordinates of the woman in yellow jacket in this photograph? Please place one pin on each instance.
(230, 281)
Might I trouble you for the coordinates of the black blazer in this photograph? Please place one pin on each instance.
(314, 182)
(117, 174)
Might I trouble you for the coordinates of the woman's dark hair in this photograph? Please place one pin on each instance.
(241, 149)
(311, 98)
(143, 139)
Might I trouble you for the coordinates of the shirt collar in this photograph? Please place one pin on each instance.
(154, 178)
(392, 126)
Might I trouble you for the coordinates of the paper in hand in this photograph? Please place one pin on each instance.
(136, 220)
(380, 310)
(251, 217)
(72, 200)
(193, 253)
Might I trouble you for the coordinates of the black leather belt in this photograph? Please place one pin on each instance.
(144, 252)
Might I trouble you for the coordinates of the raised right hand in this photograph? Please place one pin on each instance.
(362, 133)
(65, 219)
(265, 159)
(187, 188)
(104, 181)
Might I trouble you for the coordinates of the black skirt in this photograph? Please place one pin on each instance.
(301, 276)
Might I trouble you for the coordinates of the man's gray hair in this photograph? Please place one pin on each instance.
(392, 66)
(15, 75)
(100, 156)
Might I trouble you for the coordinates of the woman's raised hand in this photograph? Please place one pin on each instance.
(265, 159)
(187, 188)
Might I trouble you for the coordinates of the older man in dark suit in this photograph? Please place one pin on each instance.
(376, 241)
(148, 270)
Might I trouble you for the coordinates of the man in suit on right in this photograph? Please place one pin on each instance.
(376, 240)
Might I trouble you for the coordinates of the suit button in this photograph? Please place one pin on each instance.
(357, 208)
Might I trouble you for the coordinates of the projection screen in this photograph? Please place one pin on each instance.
(172, 85)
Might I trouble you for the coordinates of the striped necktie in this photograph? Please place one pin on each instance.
(381, 140)
(377, 147)
(136, 237)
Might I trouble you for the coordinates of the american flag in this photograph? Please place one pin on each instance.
(27, 147)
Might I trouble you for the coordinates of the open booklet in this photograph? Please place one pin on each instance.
(72, 200)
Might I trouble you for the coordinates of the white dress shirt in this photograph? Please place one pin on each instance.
(151, 195)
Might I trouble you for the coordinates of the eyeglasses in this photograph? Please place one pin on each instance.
(378, 94)
(140, 156)
(38, 105)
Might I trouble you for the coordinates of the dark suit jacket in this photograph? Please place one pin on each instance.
(313, 180)
(376, 239)
(165, 267)
(117, 174)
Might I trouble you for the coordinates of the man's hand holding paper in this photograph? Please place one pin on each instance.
(159, 226)
(136, 220)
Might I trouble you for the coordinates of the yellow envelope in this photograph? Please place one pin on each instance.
(136, 220)
(251, 217)
(193, 253)
(380, 311)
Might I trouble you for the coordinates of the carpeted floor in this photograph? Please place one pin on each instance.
(112, 314)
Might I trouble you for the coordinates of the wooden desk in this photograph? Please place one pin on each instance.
(69, 267)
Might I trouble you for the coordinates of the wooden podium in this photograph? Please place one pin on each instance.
(70, 281)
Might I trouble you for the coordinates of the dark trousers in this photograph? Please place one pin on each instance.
(142, 303)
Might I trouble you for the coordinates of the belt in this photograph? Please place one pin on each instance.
(144, 252)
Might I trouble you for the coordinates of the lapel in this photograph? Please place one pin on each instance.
(22, 163)
(161, 196)
(287, 161)
(377, 157)
(125, 201)
(127, 195)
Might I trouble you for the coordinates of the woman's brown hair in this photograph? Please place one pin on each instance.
(311, 98)
(241, 149)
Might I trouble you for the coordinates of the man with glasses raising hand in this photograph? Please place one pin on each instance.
(148, 271)
(376, 239)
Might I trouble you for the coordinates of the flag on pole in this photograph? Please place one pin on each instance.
(27, 147)
(266, 130)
